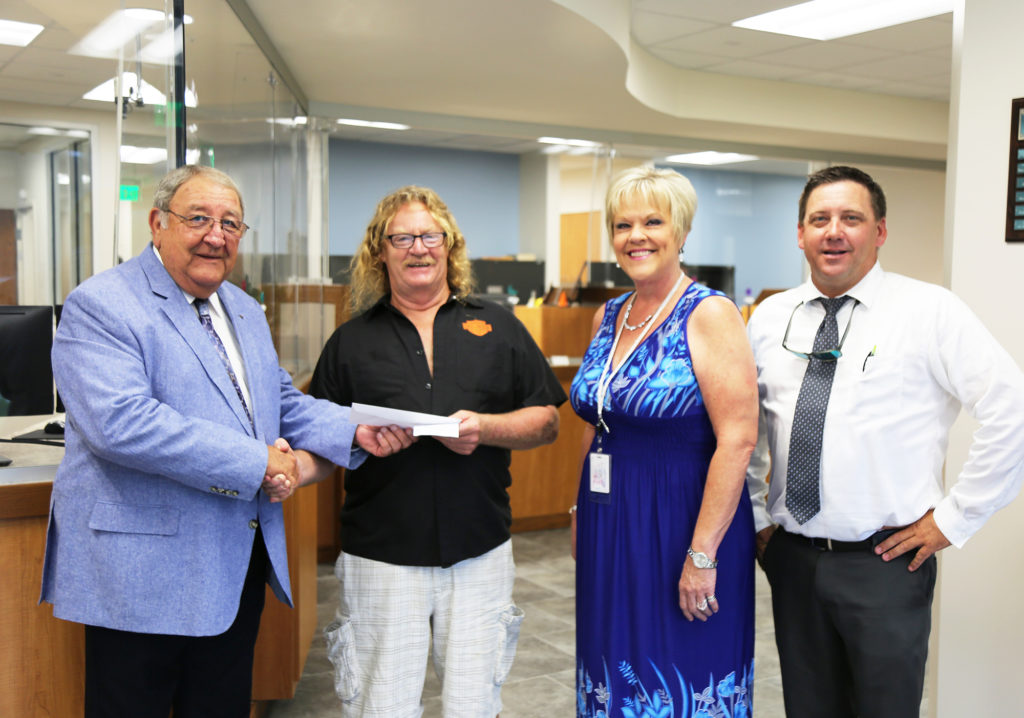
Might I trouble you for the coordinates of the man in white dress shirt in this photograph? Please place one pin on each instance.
(850, 551)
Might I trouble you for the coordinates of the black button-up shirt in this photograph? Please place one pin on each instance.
(426, 505)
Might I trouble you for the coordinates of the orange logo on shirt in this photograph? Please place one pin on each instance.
(477, 327)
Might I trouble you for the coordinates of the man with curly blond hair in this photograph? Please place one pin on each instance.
(426, 552)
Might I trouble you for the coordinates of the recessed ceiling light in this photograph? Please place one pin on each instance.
(829, 19)
(710, 158)
(554, 149)
(287, 121)
(375, 125)
(143, 155)
(18, 34)
(569, 142)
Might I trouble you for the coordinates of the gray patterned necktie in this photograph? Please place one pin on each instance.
(803, 498)
(202, 306)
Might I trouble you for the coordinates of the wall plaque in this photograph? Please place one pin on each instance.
(1015, 182)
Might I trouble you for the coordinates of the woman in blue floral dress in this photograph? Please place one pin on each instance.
(663, 533)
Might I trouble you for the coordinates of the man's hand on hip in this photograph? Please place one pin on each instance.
(923, 535)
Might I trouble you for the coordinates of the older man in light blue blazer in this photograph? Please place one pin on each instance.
(164, 522)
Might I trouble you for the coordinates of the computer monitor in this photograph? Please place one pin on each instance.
(26, 376)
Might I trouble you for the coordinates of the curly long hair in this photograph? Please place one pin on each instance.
(370, 275)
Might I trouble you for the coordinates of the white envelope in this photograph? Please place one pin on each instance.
(420, 423)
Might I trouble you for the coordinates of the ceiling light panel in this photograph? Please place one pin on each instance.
(710, 158)
(18, 34)
(117, 30)
(829, 19)
(374, 125)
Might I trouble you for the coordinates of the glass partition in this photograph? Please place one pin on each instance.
(236, 115)
(45, 212)
(45, 250)
(76, 187)
(248, 123)
(71, 188)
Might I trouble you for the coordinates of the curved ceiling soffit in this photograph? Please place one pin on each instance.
(772, 112)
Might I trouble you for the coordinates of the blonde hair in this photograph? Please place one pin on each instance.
(370, 275)
(666, 189)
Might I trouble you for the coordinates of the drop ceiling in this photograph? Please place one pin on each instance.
(479, 74)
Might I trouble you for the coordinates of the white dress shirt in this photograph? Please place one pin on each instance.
(914, 355)
(226, 332)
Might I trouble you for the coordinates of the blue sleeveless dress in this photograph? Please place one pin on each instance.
(637, 655)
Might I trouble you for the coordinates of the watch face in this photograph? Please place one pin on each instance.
(701, 560)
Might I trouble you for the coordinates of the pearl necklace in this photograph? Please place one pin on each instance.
(605, 380)
(625, 319)
(645, 322)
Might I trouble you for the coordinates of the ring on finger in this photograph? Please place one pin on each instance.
(712, 598)
(702, 606)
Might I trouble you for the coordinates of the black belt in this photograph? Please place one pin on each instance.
(827, 544)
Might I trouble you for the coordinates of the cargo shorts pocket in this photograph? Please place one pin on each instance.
(341, 652)
(510, 622)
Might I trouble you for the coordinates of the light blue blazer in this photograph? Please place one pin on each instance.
(155, 505)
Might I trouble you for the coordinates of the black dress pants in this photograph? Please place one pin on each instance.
(852, 630)
(144, 675)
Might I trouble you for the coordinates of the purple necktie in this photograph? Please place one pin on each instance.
(202, 306)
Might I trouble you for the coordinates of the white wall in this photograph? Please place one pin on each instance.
(8, 183)
(979, 624)
(539, 193)
(35, 265)
(916, 203)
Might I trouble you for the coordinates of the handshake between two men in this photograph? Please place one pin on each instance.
(288, 469)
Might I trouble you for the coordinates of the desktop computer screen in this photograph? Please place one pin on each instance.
(26, 377)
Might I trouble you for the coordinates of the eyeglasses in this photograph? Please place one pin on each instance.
(200, 222)
(827, 355)
(404, 241)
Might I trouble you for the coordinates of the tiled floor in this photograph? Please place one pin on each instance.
(541, 684)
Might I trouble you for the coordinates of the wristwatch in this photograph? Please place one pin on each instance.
(701, 560)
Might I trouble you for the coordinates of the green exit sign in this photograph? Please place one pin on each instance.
(130, 192)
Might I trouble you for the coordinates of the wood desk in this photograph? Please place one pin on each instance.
(544, 480)
(42, 659)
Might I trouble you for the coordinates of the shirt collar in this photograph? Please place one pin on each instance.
(384, 303)
(214, 301)
(865, 291)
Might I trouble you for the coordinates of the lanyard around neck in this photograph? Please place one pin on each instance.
(608, 373)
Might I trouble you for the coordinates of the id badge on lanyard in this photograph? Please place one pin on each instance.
(600, 462)
(600, 473)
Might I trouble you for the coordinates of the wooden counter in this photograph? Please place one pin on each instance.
(544, 480)
(42, 659)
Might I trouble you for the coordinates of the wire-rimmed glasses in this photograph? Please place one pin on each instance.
(825, 355)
